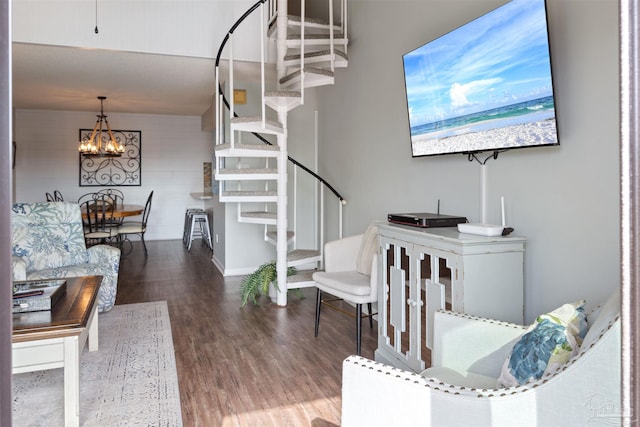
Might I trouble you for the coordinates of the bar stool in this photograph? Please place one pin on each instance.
(199, 228)
(187, 223)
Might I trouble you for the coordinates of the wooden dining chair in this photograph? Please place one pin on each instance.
(49, 197)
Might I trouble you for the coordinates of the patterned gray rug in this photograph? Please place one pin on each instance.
(130, 380)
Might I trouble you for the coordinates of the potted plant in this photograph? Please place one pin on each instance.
(257, 283)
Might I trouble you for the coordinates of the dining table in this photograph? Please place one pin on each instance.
(122, 211)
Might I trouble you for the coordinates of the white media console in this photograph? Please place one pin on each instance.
(424, 270)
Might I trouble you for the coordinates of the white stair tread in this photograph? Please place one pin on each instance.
(287, 100)
(323, 36)
(255, 124)
(318, 59)
(249, 196)
(264, 218)
(246, 150)
(248, 119)
(314, 40)
(310, 71)
(313, 80)
(256, 147)
(302, 279)
(259, 214)
(309, 20)
(283, 94)
(247, 171)
(294, 21)
(246, 174)
(272, 236)
(317, 53)
(302, 254)
(250, 193)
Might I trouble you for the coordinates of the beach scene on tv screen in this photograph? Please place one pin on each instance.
(486, 85)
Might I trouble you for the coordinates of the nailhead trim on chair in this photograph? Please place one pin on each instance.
(483, 319)
(461, 390)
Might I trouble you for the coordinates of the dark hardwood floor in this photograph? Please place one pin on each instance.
(256, 366)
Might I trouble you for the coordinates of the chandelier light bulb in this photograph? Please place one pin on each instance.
(92, 147)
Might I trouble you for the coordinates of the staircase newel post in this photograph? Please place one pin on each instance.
(281, 38)
(282, 223)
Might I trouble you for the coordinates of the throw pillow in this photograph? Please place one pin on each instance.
(368, 248)
(547, 344)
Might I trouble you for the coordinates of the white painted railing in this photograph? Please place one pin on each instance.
(270, 11)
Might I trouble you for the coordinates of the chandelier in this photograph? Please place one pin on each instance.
(95, 145)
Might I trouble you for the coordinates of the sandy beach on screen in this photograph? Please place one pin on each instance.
(518, 135)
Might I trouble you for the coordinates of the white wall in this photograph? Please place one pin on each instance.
(564, 199)
(169, 27)
(173, 150)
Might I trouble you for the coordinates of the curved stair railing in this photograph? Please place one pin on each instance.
(227, 105)
(280, 101)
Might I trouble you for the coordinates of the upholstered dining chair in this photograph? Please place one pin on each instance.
(350, 274)
(137, 227)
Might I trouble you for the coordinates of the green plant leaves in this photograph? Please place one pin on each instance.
(257, 283)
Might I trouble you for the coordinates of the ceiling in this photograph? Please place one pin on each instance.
(49, 77)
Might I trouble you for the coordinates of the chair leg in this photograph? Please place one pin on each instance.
(358, 328)
(185, 230)
(370, 315)
(145, 248)
(318, 305)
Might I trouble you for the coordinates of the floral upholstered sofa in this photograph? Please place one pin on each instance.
(47, 241)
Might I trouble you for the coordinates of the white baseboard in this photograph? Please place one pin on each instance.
(226, 272)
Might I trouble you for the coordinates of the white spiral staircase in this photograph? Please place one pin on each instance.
(251, 152)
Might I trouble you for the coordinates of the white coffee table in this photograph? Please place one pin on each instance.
(54, 339)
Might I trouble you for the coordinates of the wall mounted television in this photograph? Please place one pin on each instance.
(485, 86)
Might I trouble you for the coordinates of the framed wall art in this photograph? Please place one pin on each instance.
(99, 170)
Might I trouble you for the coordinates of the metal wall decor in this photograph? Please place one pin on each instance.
(125, 171)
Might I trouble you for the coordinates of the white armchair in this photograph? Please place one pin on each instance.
(350, 273)
(461, 387)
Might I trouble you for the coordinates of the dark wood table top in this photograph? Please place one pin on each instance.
(69, 316)
(122, 211)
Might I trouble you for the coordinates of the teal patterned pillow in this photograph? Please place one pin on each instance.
(546, 345)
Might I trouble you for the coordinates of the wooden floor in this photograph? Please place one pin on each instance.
(256, 366)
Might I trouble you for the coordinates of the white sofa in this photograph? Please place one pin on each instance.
(460, 389)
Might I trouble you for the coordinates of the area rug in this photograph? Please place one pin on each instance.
(130, 381)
